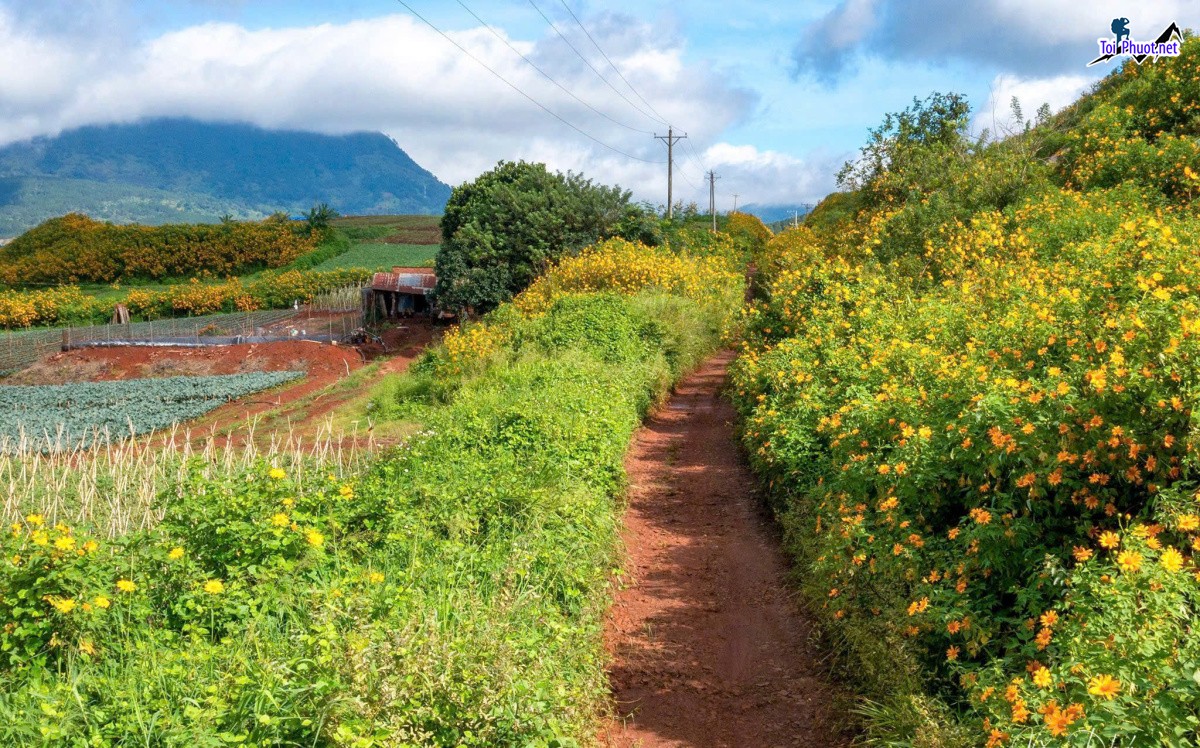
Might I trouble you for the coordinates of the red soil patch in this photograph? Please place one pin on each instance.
(135, 362)
(324, 364)
(709, 646)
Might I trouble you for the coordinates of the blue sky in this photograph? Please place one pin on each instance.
(774, 96)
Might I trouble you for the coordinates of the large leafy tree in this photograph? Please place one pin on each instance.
(504, 229)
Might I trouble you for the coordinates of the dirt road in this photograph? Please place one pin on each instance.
(709, 646)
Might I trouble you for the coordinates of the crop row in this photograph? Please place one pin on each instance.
(75, 413)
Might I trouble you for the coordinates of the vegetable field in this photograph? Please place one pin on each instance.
(379, 257)
(64, 416)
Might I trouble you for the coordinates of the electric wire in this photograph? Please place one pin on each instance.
(683, 174)
(546, 75)
(693, 156)
(516, 88)
(609, 60)
(599, 75)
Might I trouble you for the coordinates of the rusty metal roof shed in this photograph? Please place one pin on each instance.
(405, 280)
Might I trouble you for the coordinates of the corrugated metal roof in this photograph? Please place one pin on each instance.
(405, 280)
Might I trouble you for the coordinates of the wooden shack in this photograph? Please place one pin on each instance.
(403, 292)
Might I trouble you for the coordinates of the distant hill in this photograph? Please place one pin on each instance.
(770, 214)
(175, 170)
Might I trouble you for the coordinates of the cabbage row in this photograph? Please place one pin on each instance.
(70, 414)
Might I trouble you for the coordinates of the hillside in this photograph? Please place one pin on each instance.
(176, 170)
(970, 382)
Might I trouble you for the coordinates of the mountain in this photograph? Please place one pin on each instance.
(777, 213)
(172, 170)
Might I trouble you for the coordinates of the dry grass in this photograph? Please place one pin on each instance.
(120, 485)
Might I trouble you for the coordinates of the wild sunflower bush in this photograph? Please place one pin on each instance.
(983, 444)
(451, 594)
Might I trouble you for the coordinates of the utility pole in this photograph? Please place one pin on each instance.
(671, 139)
(735, 197)
(795, 221)
(712, 197)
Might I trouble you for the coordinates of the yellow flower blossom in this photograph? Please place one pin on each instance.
(1104, 686)
(1171, 560)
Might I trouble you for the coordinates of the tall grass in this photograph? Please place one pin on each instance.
(120, 485)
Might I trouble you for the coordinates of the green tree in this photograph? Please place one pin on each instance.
(937, 123)
(504, 229)
(318, 217)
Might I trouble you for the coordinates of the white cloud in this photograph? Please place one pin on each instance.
(1057, 92)
(769, 177)
(395, 75)
(1028, 37)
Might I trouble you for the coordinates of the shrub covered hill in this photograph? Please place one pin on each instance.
(178, 170)
(971, 382)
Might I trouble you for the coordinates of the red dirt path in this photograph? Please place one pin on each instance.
(709, 648)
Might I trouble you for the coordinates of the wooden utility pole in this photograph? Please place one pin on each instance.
(712, 198)
(671, 139)
(735, 197)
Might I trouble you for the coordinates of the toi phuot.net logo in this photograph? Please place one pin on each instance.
(1166, 45)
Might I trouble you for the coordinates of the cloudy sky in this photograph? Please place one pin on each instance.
(773, 96)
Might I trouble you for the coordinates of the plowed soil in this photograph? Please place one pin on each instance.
(709, 647)
(318, 360)
(324, 364)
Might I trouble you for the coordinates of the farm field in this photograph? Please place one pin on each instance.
(381, 257)
(378, 243)
(62, 416)
(114, 485)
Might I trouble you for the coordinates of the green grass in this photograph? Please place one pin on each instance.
(382, 257)
(396, 229)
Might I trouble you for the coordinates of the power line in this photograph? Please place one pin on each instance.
(599, 75)
(692, 155)
(692, 184)
(546, 75)
(609, 60)
(516, 88)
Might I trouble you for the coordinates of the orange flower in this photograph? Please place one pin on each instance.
(981, 516)
(1043, 638)
(1109, 539)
